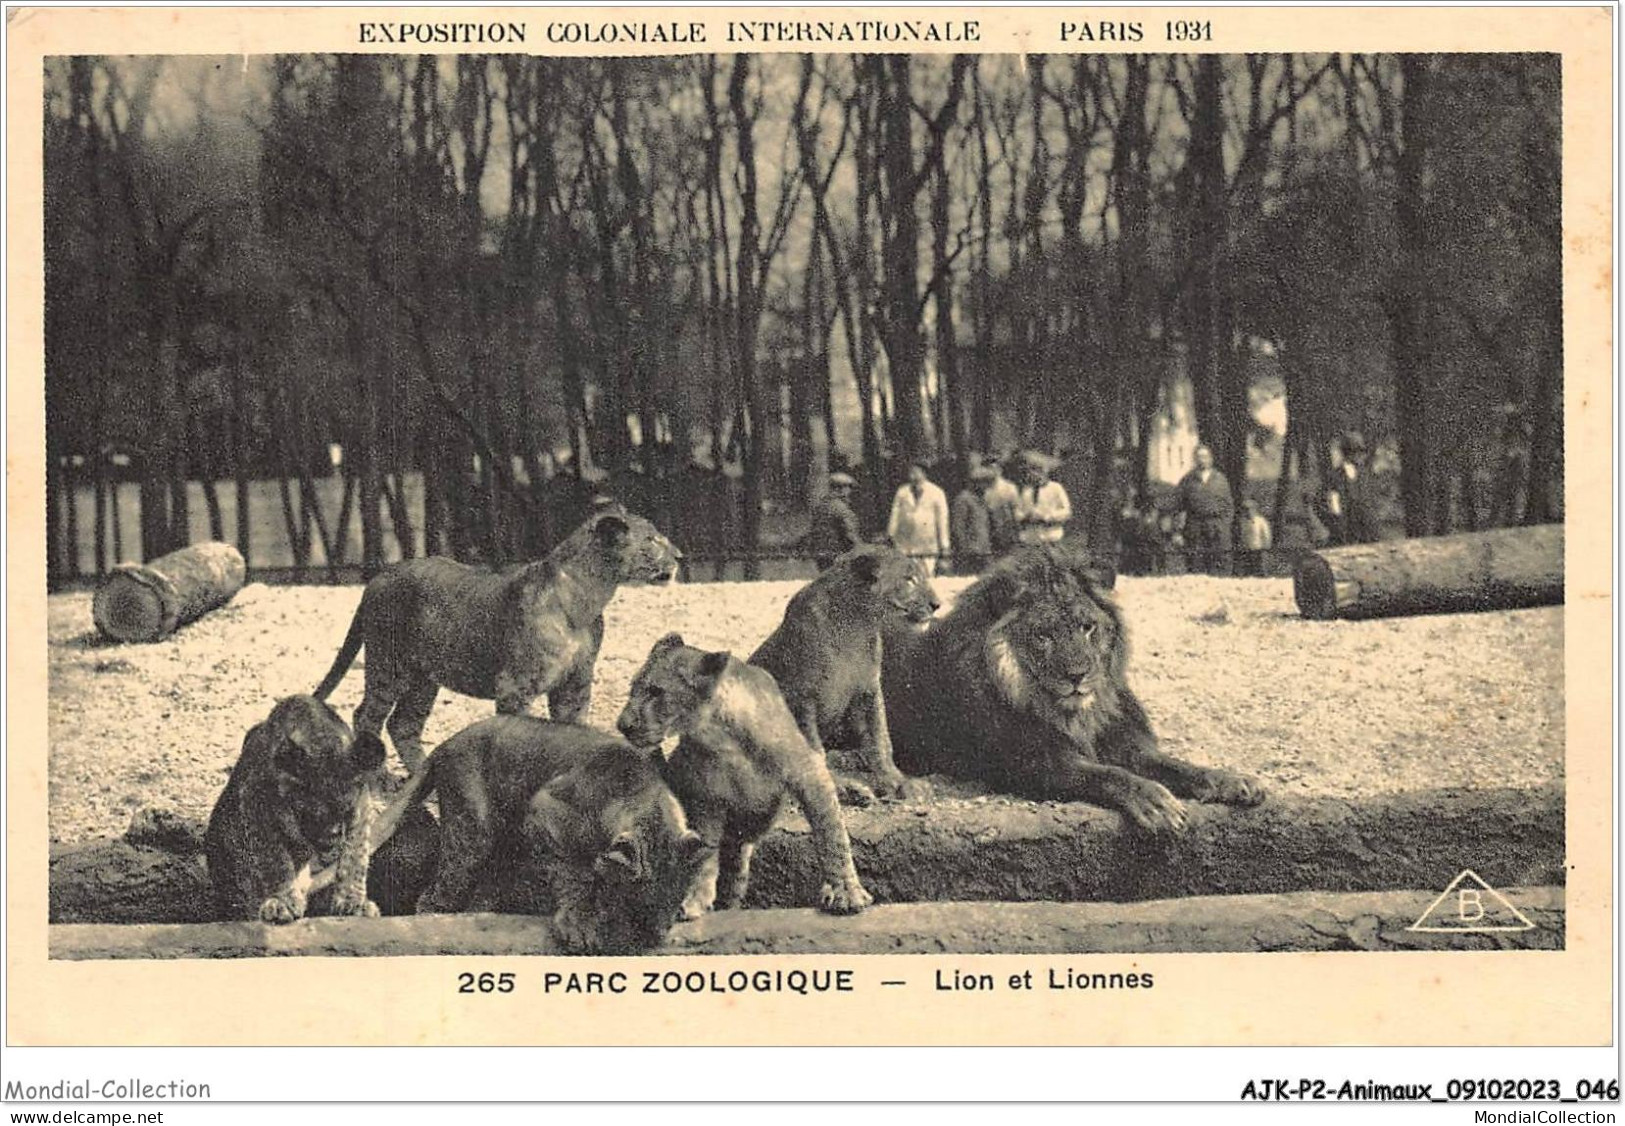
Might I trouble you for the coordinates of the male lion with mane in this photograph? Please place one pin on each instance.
(1022, 686)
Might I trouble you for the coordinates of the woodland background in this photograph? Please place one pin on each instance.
(340, 309)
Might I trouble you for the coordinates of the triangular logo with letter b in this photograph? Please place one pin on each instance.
(1471, 906)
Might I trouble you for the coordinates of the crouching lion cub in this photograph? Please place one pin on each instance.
(584, 811)
(741, 753)
(300, 788)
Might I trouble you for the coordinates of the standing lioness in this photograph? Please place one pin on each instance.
(507, 636)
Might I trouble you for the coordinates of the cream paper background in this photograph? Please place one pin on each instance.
(1479, 998)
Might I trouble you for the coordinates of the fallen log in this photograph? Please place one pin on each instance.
(1059, 851)
(148, 602)
(1505, 569)
(1221, 924)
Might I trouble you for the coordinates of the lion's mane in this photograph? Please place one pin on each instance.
(962, 698)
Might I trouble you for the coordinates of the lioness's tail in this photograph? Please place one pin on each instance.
(347, 654)
(418, 787)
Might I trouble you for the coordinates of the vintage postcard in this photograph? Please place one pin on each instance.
(829, 526)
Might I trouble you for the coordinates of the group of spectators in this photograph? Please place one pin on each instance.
(1013, 500)
(1002, 504)
(1215, 539)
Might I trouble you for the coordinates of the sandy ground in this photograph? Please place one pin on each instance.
(1230, 675)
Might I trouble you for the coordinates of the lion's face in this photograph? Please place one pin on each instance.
(319, 767)
(670, 693)
(897, 585)
(636, 550)
(1068, 646)
(1059, 648)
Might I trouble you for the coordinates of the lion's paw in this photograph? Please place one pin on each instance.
(844, 899)
(574, 933)
(1226, 787)
(852, 792)
(363, 907)
(279, 909)
(695, 907)
(904, 788)
(1152, 807)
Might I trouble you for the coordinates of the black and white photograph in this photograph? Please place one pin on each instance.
(806, 495)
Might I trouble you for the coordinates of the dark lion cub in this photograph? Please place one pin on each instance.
(521, 796)
(741, 753)
(301, 787)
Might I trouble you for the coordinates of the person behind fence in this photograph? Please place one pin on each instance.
(1255, 537)
(1296, 527)
(1206, 512)
(1137, 539)
(1350, 506)
(919, 519)
(834, 529)
(1002, 499)
(1042, 507)
(971, 523)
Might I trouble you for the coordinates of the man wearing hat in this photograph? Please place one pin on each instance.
(1348, 500)
(834, 525)
(1002, 499)
(971, 523)
(1207, 510)
(1042, 506)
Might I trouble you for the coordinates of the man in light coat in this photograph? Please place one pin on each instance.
(919, 519)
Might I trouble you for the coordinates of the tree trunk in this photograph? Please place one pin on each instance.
(1410, 311)
(298, 546)
(101, 501)
(70, 514)
(1207, 180)
(1139, 374)
(372, 530)
(947, 346)
(748, 316)
(1497, 570)
(982, 391)
(239, 453)
(146, 603)
(1545, 487)
(341, 526)
(211, 500)
(400, 516)
(900, 253)
(434, 500)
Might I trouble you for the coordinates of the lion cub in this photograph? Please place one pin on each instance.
(741, 753)
(508, 636)
(301, 787)
(582, 810)
(826, 658)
